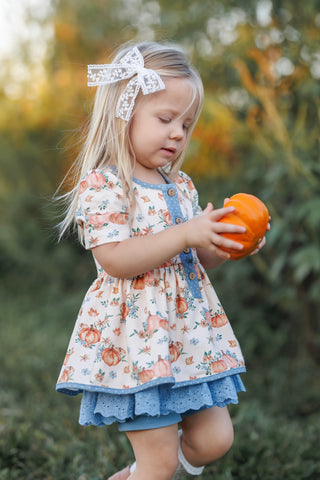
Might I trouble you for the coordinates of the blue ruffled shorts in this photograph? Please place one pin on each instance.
(157, 406)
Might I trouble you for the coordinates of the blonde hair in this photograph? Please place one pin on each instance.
(107, 142)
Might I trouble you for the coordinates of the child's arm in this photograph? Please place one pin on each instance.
(138, 255)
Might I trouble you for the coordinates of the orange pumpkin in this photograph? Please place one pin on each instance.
(98, 220)
(118, 218)
(162, 368)
(230, 361)
(138, 283)
(145, 375)
(153, 323)
(110, 356)
(182, 305)
(174, 352)
(90, 335)
(218, 366)
(164, 324)
(167, 218)
(95, 179)
(65, 376)
(251, 213)
(83, 186)
(219, 320)
(124, 310)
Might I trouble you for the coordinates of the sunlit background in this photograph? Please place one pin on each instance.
(258, 133)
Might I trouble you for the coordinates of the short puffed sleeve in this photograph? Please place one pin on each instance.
(102, 215)
(187, 186)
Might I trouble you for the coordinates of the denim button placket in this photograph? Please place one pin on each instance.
(172, 200)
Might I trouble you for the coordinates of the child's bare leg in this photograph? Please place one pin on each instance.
(207, 435)
(156, 453)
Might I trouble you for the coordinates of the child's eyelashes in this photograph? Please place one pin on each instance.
(165, 120)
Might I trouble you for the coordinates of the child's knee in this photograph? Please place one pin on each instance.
(210, 447)
(220, 444)
(225, 440)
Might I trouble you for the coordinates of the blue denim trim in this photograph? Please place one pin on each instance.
(145, 422)
(157, 186)
(186, 258)
(71, 388)
(176, 214)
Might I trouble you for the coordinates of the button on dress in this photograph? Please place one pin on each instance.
(156, 343)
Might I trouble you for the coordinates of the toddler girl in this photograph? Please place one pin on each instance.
(152, 346)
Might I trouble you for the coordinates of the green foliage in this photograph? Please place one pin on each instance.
(259, 133)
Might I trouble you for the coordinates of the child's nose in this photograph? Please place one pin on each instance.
(177, 131)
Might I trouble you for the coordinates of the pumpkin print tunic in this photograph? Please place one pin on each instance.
(162, 331)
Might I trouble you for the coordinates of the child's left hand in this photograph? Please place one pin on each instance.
(263, 241)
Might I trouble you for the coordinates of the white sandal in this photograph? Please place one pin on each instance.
(125, 471)
(184, 467)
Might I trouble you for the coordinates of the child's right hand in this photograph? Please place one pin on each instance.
(204, 231)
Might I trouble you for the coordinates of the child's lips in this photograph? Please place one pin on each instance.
(170, 151)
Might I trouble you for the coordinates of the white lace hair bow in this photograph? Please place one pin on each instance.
(131, 64)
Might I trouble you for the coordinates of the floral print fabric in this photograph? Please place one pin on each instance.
(164, 327)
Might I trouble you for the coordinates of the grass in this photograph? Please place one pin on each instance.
(277, 422)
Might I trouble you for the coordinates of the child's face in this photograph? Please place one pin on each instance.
(160, 125)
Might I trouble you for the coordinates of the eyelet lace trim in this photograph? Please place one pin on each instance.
(103, 408)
